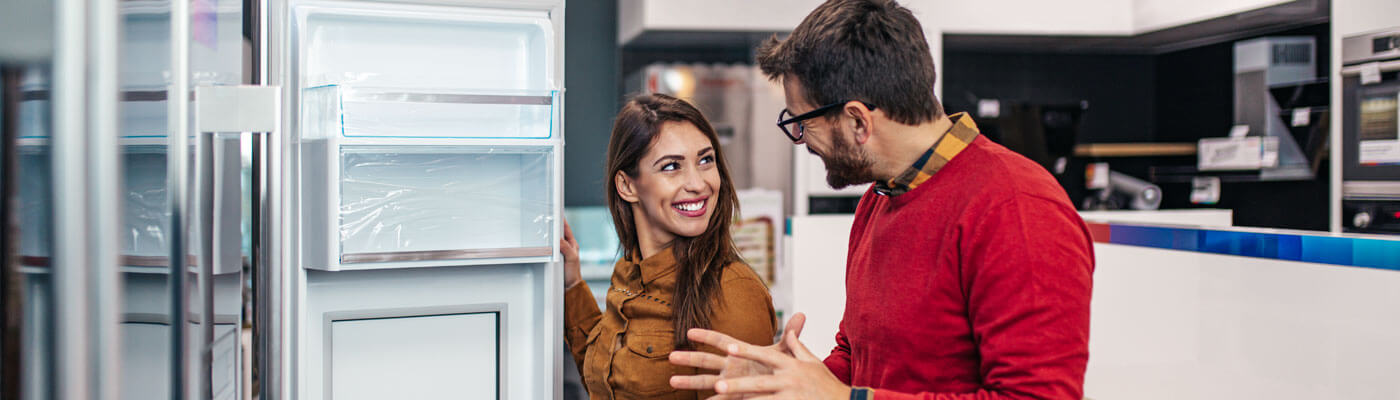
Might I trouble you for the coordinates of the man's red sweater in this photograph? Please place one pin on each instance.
(974, 284)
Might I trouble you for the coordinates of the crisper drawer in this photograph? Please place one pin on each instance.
(401, 205)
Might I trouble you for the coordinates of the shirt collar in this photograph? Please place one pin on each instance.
(962, 133)
(659, 265)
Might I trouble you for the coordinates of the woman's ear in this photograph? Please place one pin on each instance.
(625, 187)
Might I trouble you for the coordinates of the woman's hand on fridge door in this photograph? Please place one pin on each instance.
(568, 246)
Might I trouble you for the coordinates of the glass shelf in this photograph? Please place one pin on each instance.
(364, 112)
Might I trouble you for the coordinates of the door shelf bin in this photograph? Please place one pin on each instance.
(385, 206)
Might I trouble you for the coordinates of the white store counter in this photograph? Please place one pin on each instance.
(1196, 313)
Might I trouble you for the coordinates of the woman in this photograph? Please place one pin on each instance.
(672, 203)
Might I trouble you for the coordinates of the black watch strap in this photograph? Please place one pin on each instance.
(860, 393)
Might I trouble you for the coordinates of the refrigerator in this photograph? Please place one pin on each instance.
(346, 199)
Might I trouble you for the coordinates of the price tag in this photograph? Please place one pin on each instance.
(1205, 190)
(1301, 116)
(1239, 131)
(1268, 156)
(1096, 176)
(988, 108)
(1370, 73)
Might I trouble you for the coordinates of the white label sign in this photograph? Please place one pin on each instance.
(1239, 131)
(989, 108)
(1301, 116)
(1268, 156)
(1376, 152)
(1205, 190)
(1214, 154)
(1370, 73)
(1096, 176)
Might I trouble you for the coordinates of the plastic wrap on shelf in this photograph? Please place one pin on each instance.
(397, 113)
(420, 202)
(146, 215)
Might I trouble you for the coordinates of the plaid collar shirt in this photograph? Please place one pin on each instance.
(963, 132)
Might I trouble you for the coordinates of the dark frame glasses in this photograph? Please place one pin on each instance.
(786, 118)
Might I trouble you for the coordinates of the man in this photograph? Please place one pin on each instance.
(968, 273)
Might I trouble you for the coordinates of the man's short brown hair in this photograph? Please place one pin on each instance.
(873, 51)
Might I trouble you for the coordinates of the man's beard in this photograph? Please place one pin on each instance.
(845, 165)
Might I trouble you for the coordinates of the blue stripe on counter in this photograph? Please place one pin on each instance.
(1356, 252)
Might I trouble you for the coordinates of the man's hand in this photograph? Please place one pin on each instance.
(730, 366)
(798, 376)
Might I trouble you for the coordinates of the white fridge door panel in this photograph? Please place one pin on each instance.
(422, 357)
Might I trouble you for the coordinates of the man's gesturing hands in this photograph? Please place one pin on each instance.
(784, 370)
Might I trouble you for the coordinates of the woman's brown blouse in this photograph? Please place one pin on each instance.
(622, 353)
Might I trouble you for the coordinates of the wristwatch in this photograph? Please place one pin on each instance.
(860, 393)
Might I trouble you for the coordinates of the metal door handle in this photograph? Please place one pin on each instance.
(253, 109)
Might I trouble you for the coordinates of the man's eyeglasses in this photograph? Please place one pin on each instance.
(786, 119)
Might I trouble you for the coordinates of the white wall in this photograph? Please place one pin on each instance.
(1067, 17)
(1061, 17)
(1013, 17)
(1350, 17)
(634, 16)
(1151, 15)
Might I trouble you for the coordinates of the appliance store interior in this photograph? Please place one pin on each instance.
(431, 199)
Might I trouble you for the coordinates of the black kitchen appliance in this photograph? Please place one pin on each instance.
(1371, 132)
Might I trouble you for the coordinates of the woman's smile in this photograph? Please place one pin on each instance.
(692, 208)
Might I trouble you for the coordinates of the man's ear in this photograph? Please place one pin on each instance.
(625, 187)
(862, 120)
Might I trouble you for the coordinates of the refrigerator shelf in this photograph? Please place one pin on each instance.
(143, 116)
(340, 111)
(357, 258)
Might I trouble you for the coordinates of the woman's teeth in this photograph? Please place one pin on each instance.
(693, 206)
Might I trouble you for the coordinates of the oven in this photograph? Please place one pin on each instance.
(1371, 132)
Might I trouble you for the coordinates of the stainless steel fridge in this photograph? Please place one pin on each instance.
(284, 199)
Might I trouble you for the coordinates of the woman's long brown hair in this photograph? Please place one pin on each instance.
(700, 260)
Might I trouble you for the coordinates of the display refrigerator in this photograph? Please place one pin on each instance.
(284, 199)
